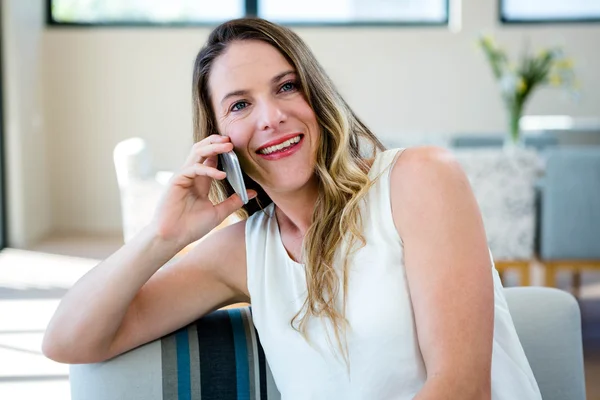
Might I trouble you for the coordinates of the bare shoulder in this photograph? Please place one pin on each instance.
(427, 181)
(420, 167)
(223, 253)
(414, 158)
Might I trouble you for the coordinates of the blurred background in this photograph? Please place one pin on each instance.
(96, 113)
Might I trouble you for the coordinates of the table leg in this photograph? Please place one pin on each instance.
(550, 271)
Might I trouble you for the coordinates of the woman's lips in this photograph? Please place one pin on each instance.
(288, 151)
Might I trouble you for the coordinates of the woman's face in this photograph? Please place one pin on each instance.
(257, 103)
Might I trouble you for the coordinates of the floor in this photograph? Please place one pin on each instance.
(32, 282)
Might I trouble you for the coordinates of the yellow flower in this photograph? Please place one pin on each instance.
(565, 63)
(521, 86)
(555, 80)
(487, 40)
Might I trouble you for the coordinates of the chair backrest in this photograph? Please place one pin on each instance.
(538, 141)
(570, 204)
(548, 322)
(138, 188)
(132, 160)
(460, 141)
(220, 356)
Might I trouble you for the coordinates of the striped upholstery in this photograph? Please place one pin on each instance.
(217, 357)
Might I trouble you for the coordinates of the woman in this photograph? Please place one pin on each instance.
(370, 278)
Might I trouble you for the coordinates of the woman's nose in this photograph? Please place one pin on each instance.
(272, 115)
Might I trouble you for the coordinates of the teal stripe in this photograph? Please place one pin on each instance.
(183, 365)
(241, 355)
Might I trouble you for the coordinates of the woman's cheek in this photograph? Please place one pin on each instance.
(235, 135)
(235, 125)
(240, 137)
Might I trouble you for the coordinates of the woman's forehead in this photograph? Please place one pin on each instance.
(246, 63)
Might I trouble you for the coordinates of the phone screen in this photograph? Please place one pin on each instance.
(231, 166)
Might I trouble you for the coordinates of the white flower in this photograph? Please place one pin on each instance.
(508, 84)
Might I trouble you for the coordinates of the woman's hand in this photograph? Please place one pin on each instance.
(185, 213)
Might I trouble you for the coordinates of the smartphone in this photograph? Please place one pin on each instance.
(231, 166)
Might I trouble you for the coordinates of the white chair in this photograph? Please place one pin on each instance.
(547, 321)
(139, 186)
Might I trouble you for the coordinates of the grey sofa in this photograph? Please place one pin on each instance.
(220, 356)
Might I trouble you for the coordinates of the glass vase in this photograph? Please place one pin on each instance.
(513, 140)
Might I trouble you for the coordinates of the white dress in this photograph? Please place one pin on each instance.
(385, 359)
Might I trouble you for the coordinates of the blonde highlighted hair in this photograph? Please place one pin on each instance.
(341, 168)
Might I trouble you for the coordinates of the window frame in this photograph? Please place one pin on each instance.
(4, 239)
(251, 7)
(526, 21)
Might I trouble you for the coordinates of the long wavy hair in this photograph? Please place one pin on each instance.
(341, 168)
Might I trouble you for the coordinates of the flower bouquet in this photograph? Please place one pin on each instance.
(518, 81)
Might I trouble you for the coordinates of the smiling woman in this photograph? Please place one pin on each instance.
(258, 84)
(330, 234)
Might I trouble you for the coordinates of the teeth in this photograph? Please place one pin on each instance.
(280, 146)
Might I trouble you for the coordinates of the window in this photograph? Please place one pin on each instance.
(355, 11)
(195, 12)
(3, 197)
(549, 10)
(144, 12)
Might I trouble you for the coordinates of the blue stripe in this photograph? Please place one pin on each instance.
(241, 355)
(184, 386)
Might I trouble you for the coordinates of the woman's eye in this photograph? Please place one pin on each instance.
(288, 87)
(240, 105)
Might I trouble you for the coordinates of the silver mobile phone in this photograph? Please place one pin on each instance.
(231, 166)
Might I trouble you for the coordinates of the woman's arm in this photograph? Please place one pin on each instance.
(125, 302)
(449, 272)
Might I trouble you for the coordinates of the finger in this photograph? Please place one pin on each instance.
(201, 153)
(212, 139)
(217, 138)
(188, 174)
(232, 204)
(211, 162)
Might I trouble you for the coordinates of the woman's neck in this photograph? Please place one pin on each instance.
(294, 211)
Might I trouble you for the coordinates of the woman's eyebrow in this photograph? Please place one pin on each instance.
(278, 77)
(243, 92)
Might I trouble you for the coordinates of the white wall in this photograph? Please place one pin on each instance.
(105, 85)
(28, 192)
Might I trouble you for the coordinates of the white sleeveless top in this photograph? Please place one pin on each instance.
(385, 359)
